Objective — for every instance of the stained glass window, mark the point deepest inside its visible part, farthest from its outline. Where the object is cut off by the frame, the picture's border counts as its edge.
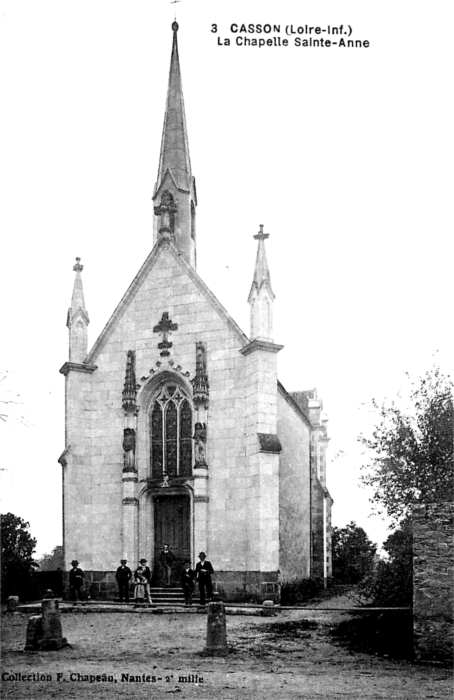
(171, 433)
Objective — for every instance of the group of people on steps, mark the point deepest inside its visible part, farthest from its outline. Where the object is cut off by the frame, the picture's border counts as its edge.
(141, 578)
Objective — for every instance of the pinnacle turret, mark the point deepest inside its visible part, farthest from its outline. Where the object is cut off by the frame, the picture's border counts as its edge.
(77, 319)
(261, 296)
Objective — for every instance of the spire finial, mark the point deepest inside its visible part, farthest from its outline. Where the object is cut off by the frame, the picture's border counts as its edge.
(130, 389)
(78, 267)
(260, 236)
(175, 25)
(261, 272)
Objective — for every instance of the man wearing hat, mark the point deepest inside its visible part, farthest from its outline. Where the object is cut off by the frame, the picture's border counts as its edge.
(146, 573)
(167, 558)
(123, 576)
(204, 570)
(187, 582)
(76, 582)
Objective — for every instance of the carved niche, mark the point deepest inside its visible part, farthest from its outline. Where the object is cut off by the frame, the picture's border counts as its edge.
(129, 450)
(166, 210)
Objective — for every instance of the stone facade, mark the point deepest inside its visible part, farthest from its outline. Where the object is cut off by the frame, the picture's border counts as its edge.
(433, 581)
(320, 500)
(177, 428)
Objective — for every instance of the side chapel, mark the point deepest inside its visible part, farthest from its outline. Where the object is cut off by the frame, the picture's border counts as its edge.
(177, 428)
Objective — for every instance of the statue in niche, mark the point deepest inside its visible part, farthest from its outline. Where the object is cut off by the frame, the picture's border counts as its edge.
(200, 437)
(129, 447)
(166, 210)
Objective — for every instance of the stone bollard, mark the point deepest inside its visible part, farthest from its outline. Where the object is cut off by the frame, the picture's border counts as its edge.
(52, 631)
(12, 603)
(216, 628)
(268, 608)
(44, 631)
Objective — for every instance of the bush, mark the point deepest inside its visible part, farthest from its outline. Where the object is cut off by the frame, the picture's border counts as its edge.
(379, 633)
(299, 592)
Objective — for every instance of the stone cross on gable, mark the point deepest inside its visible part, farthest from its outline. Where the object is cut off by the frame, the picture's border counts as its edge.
(165, 326)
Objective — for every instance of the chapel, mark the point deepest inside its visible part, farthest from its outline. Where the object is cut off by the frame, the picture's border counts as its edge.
(178, 430)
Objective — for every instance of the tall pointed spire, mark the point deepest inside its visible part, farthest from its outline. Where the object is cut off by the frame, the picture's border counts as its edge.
(77, 319)
(174, 194)
(175, 146)
(261, 296)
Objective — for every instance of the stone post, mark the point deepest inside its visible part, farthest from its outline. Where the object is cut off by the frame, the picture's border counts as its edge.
(216, 628)
(52, 631)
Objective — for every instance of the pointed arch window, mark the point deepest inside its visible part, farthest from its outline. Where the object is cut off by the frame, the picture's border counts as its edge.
(171, 433)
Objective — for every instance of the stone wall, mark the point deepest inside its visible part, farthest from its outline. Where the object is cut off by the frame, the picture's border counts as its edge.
(433, 581)
(246, 586)
(98, 585)
(294, 493)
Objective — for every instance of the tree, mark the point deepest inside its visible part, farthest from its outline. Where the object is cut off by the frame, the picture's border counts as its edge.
(411, 456)
(392, 582)
(353, 554)
(17, 547)
(52, 561)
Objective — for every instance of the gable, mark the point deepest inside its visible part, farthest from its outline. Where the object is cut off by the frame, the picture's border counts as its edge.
(296, 406)
(165, 281)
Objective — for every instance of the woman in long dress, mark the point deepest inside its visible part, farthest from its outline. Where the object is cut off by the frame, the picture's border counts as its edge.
(139, 585)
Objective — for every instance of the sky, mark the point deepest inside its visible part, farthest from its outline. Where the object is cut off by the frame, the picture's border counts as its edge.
(343, 154)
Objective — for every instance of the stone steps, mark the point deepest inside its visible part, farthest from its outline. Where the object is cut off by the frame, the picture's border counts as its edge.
(169, 596)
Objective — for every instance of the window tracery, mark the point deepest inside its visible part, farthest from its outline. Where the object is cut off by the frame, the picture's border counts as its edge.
(171, 433)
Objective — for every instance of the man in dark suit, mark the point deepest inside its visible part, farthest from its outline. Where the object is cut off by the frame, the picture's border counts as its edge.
(123, 576)
(76, 581)
(204, 570)
(187, 582)
(146, 573)
(167, 558)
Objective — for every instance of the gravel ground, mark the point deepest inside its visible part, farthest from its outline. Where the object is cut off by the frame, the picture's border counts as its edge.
(151, 656)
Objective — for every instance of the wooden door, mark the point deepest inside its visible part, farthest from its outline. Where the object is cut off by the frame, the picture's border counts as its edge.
(172, 527)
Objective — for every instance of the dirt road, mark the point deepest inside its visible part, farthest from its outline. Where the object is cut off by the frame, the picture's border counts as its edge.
(138, 655)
